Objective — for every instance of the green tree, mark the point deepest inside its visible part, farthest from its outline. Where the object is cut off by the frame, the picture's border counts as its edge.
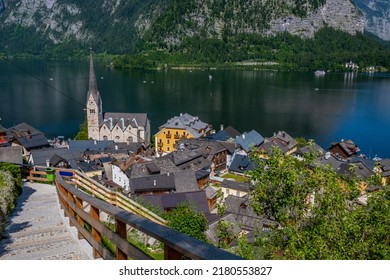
(16, 174)
(83, 132)
(186, 220)
(317, 213)
(7, 196)
(225, 233)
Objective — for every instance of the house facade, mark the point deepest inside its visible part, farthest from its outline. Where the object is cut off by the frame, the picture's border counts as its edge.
(119, 127)
(183, 126)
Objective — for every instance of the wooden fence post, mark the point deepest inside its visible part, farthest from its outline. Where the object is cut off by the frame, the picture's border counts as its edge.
(95, 213)
(79, 204)
(120, 228)
(171, 254)
(71, 211)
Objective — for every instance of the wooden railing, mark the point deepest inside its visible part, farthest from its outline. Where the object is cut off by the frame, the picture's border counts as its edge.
(89, 225)
(36, 175)
(97, 190)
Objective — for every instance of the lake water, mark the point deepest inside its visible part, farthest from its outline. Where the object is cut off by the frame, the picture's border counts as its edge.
(50, 95)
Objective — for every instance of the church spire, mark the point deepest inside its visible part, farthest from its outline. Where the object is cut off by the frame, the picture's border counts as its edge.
(92, 78)
(94, 104)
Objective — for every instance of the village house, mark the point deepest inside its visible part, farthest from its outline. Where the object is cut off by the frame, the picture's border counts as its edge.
(314, 148)
(230, 187)
(281, 140)
(194, 152)
(27, 137)
(344, 149)
(241, 164)
(328, 159)
(179, 182)
(119, 171)
(356, 170)
(119, 127)
(197, 200)
(249, 140)
(183, 126)
(240, 214)
(227, 134)
(63, 157)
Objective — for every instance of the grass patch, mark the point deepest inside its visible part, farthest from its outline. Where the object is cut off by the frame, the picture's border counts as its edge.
(237, 178)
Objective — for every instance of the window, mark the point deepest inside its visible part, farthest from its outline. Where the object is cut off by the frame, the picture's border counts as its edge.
(168, 142)
(130, 139)
(168, 149)
(105, 137)
(117, 137)
(92, 111)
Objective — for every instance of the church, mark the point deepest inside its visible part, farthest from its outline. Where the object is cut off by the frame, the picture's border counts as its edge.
(119, 127)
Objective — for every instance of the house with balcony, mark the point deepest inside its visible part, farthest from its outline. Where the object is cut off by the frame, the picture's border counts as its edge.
(182, 126)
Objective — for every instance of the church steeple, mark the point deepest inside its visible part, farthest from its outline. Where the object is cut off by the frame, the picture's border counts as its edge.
(93, 90)
(94, 103)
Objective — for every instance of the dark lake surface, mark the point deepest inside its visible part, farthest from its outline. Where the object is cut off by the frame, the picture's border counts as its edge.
(50, 95)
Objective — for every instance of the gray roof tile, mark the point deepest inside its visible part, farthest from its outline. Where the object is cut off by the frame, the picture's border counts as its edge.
(185, 121)
(11, 155)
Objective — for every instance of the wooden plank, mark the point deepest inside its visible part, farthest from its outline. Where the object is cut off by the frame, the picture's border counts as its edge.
(41, 179)
(38, 172)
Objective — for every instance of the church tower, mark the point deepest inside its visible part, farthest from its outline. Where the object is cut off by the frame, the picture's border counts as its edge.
(94, 104)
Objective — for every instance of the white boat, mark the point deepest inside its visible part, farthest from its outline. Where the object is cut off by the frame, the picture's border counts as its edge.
(319, 73)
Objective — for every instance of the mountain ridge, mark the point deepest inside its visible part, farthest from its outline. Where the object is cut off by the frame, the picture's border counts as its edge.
(121, 26)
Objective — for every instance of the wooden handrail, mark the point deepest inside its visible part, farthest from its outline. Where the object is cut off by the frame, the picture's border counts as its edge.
(176, 245)
(98, 190)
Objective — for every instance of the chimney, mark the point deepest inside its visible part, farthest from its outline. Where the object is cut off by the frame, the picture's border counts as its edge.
(327, 155)
(154, 182)
(221, 126)
(116, 147)
(110, 119)
(123, 123)
(95, 142)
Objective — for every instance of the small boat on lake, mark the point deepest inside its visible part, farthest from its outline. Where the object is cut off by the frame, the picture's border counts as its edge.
(319, 73)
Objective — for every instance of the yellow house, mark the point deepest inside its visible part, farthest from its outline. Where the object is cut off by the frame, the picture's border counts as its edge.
(177, 127)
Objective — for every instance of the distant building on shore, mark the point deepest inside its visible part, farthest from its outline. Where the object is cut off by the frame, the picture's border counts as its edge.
(119, 127)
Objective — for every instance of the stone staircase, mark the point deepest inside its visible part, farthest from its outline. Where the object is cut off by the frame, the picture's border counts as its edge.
(37, 229)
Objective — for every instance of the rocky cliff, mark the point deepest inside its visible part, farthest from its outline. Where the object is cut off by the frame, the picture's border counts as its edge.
(377, 16)
(118, 26)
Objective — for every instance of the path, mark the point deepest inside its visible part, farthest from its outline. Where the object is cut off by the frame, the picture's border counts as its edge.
(37, 229)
